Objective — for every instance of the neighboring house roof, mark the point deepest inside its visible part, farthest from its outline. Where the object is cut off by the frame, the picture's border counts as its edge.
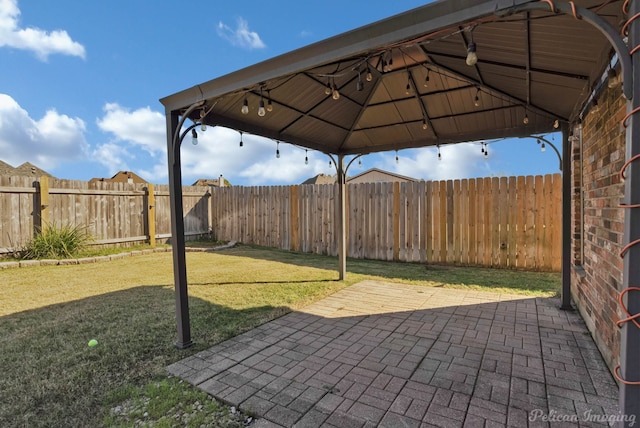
(215, 182)
(27, 169)
(5, 168)
(121, 177)
(375, 175)
(321, 179)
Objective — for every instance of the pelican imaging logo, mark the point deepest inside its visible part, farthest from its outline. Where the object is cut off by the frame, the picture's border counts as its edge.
(586, 416)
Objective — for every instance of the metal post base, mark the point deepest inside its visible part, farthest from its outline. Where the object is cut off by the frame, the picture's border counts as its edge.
(184, 345)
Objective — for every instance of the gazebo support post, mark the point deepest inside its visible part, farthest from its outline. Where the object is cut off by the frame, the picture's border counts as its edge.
(174, 141)
(342, 222)
(630, 333)
(566, 218)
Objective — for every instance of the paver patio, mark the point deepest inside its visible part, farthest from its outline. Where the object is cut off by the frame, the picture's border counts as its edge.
(396, 355)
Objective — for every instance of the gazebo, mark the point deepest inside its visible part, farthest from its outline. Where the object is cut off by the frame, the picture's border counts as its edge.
(448, 72)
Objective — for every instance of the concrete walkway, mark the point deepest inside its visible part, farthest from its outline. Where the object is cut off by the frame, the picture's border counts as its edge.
(395, 355)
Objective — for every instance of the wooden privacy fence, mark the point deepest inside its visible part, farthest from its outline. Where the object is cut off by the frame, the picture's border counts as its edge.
(115, 213)
(510, 222)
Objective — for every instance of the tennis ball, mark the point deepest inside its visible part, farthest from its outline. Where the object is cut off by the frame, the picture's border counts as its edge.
(93, 343)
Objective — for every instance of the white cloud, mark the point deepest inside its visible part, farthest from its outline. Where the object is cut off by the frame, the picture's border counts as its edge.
(464, 160)
(47, 142)
(143, 127)
(114, 157)
(41, 42)
(241, 36)
(218, 152)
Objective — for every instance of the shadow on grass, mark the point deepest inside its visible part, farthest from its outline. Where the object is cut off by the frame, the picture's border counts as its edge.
(51, 377)
(547, 283)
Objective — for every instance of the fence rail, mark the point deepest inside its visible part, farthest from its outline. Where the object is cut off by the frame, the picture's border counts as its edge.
(115, 213)
(509, 222)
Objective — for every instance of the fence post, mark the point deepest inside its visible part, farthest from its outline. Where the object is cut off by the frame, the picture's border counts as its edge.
(294, 223)
(151, 215)
(44, 203)
(396, 221)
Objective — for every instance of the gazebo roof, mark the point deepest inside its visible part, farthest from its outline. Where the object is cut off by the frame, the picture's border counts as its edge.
(535, 64)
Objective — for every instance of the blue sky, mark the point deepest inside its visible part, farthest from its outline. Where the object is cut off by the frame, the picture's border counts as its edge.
(80, 84)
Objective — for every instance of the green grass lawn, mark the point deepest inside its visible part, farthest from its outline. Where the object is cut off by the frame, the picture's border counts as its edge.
(50, 377)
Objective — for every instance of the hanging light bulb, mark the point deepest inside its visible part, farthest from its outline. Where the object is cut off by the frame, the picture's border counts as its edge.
(556, 124)
(486, 154)
(525, 120)
(327, 90)
(194, 137)
(482, 149)
(426, 79)
(359, 161)
(476, 100)
(472, 56)
(439, 154)
(269, 105)
(306, 158)
(612, 78)
(594, 106)
(543, 148)
(203, 126)
(424, 124)
(360, 84)
(407, 89)
(390, 63)
(261, 109)
(245, 105)
(335, 94)
(278, 150)
(397, 159)
(241, 143)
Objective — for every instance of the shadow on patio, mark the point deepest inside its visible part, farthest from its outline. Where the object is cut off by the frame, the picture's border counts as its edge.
(400, 355)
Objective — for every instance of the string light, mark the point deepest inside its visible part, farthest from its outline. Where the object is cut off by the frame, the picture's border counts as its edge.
(245, 105)
(241, 143)
(387, 66)
(594, 106)
(369, 75)
(525, 120)
(426, 79)
(278, 150)
(543, 148)
(335, 94)
(269, 105)
(261, 109)
(306, 158)
(472, 56)
(359, 162)
(203, 126)
(476, 100)
(360, 84)
(408, 88)
(327, 90)
(486, 153)
(482, 149)
(424, 124)
(439, 154)
(556, 124)
(612, 78)
(397, 159)
(194, 137)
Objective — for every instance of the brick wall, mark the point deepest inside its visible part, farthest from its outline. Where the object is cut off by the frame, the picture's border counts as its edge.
(598, 221)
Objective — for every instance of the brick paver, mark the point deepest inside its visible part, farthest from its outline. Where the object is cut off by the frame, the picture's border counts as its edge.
(386, 354)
